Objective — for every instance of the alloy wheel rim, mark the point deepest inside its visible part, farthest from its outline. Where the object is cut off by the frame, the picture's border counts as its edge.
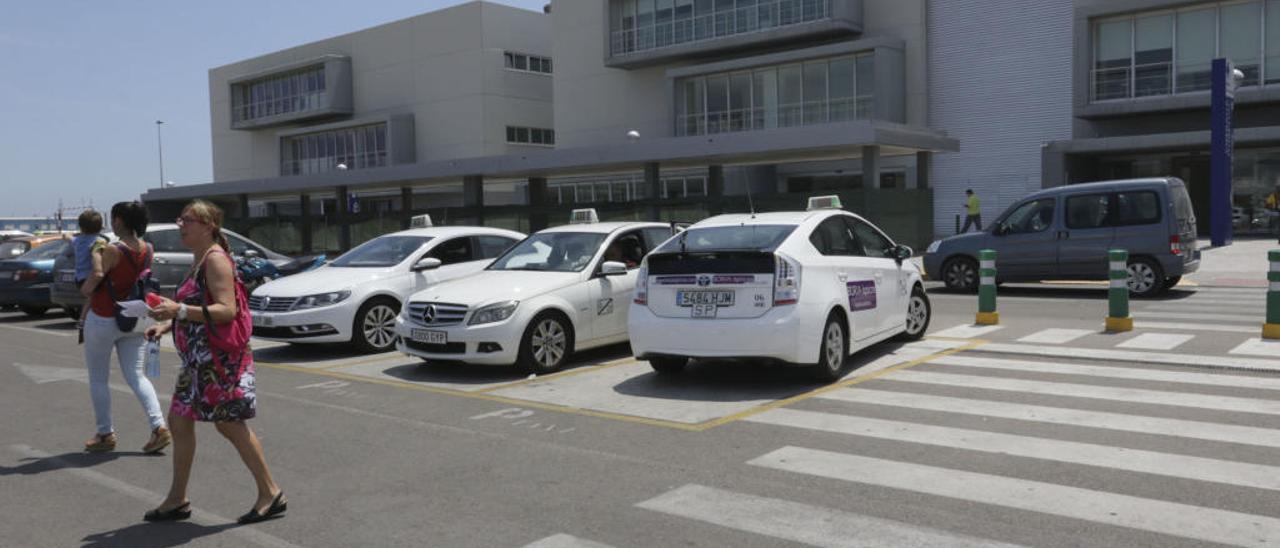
(917, 313)
(379, 326)
(548, 343)
(834, 347)
(1141, 277)
(961, 274)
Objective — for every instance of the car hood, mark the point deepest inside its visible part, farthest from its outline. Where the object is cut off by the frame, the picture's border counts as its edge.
(321, 280)
(14, 264)
(969, 241)
(497, 285)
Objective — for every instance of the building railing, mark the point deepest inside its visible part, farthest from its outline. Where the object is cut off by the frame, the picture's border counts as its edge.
(1162, 78)
(786, 115)
(279, 106)
(764, 15)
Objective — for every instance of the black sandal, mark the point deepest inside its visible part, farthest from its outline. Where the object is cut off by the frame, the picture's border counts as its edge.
(176, 513)
(278, 506)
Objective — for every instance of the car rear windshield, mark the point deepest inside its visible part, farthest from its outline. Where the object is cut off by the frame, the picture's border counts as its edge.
(44, 252)
(383, 251)
(1182, 203)
(729, 238)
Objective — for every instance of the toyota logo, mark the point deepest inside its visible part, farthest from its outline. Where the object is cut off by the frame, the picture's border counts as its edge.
(704, 281)
(429, 315)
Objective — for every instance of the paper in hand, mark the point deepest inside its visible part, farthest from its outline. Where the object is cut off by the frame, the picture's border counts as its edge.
(133, 309)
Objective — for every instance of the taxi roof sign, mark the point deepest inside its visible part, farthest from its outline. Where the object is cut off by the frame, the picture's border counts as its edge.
(825, 202)
(584, 216)
(420, 221)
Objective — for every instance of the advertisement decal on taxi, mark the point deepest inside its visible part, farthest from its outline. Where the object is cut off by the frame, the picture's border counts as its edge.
(862, 295)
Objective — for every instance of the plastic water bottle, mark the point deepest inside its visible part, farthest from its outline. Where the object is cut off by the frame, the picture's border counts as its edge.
(153, 359)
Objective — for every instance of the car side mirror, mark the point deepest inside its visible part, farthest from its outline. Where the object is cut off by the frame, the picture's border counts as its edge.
(902, 253)
(613, 268)
(1000, 229)
(427, 263)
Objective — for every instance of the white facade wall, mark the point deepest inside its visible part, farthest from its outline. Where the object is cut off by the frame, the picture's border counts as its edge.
(1000, 83)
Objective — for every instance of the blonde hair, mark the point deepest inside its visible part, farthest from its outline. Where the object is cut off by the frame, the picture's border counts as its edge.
(211, 214)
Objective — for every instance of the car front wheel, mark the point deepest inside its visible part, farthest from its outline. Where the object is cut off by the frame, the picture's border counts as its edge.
(374, 329)
(34, 310)
(668, 366)
(546, 344)
(919, 312)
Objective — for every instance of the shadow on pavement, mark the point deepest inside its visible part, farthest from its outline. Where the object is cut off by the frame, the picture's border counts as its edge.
(462, 373)
(1067, 293)
(308, 353)
(67, 460)
(149, 535)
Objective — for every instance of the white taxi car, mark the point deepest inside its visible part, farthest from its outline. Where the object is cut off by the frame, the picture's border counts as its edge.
(807, 287)
(357, 296)
(561, 290)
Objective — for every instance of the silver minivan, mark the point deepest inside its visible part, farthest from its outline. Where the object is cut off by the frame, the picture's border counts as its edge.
(1064, 233)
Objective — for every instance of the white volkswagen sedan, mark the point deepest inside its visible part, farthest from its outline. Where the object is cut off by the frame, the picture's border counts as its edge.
(807, 287)
(561, 290)
(356, 297)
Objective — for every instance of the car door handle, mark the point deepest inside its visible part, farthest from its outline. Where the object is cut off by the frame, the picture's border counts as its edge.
(879, 276)
(843, 277)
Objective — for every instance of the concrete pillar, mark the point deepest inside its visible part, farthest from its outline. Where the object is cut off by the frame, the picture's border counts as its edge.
(653, 188)
(539, 201)
(243, 202)
(340, 218)
(715, 190)
(473, 195)
(924, 164)
(406, 206)
(870, 166)
(305, 223)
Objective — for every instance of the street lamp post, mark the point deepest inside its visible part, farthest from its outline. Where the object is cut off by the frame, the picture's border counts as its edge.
(160, 150)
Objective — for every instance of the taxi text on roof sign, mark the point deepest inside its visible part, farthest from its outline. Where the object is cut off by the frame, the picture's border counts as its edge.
(824, 202)
(420, 221)
(583, 216)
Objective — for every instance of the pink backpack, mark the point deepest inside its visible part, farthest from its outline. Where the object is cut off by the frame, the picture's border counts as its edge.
(233, 337)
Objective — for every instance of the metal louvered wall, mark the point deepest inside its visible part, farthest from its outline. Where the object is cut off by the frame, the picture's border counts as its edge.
(1000, 82)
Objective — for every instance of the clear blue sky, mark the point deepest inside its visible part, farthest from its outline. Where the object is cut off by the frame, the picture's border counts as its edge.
(83, 82)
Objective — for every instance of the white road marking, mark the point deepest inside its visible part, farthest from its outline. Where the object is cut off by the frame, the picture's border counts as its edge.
(150, 499)
(1157, 516)
(1056, 336)
(43, 374)
(1256, 476)
(1229, 318)
(1196, 327)
(1156, 341)
(1140, 357)
(1126, 395)
(1258, 347)
(566, 541)
(1210, 431)
(1210, 308)
(1113, 372)
(797, 522)
(967, 331)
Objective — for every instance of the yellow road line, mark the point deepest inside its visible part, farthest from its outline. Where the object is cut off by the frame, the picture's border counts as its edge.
(560, 375)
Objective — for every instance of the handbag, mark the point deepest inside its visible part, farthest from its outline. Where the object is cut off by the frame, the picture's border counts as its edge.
(234, 339)
(142, 285)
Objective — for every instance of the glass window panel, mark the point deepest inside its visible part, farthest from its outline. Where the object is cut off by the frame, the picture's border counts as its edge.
(535, 136)
(866, 82)
(511, 134)
(694, 117)
(1153, 56)
(841, 89)
(1242, 38)
(551, 136)
(522, 135)
(1195, 47)
(1113, 44)
(1088, 211)
(764, 99)
(815, 92)
(1273, 41)
(695, 186)
(546, 66)
(522, 62)
(790, 101)
(717, 104)
(739, 101)
(380, 132)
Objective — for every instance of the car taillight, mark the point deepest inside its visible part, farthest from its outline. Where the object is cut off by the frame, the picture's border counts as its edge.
(1175, 244)
(642, 285)
(25, 275)
(786, 281)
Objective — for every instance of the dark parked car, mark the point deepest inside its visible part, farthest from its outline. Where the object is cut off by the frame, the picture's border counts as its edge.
(1064, 233)
(25, 280)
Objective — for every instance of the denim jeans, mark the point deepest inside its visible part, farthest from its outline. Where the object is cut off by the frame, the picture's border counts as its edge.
(101, 336)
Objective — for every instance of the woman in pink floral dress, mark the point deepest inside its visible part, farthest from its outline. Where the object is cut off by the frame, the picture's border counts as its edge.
(215, 385)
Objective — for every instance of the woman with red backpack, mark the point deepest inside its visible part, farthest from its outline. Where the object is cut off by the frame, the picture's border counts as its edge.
(211, 326)
(116, 270)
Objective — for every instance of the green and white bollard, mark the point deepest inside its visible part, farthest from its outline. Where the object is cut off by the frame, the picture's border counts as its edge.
(987, 314)
(1118, 318)
(1271, 330)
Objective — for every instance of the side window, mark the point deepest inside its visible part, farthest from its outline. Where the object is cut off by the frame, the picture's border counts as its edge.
(1089, 211)
(457, 250)
(239, 245)
(832, 237)
(165, 241)
(873, 243)
(1030, 217)
(1137, 208)
(492, 246)
(655, 237)
(627, 249)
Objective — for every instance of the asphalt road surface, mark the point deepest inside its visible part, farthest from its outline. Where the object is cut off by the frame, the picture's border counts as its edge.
(1042, 431)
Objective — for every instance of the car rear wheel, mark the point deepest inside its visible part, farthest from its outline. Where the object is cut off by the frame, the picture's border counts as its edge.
(668, 366)
(73, 312)
(1146, 278)
(34, 310)
(546, 344)
(919, 312)
(833, 351)
(961, 274)
(1171, 281)
(374, 329)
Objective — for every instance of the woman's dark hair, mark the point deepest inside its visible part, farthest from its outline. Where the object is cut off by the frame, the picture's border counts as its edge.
(133, 215)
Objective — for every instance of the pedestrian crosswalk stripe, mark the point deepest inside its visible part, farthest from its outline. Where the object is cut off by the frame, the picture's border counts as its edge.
(1230, 362)
(1056, 336)
(1197, 327)
(1209, 290)
(1257, 347)
(1126, 395)
(1229, 318)
(566, 541)
(1235, 309)
(967, 331)
(1258, 476)
(1156, 341)
(1157, 516)
(1112, 372)
(798, 522)
(1209, 431)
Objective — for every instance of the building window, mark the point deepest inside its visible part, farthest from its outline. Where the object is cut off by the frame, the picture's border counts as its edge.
(527, 63)
(358, 147)
(628, 189)
(814, 92)
(643, 25)
(530, 136)
(1171, 51)
(287, 93)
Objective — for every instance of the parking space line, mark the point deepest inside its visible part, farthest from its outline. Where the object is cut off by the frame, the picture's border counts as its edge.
(557, 375)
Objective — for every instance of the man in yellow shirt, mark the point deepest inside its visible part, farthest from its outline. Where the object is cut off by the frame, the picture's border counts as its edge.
(1273, 211)
(973, 212)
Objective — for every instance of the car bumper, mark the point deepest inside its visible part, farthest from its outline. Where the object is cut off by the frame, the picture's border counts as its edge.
(1174, 265)
(25, 295)
(783, 333)
(320, 325)
(462, 342)
(931, 265)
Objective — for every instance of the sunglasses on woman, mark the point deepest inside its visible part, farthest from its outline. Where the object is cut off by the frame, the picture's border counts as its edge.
(188, 220)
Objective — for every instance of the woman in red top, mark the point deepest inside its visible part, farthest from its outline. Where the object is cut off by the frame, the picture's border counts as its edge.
(120, 263)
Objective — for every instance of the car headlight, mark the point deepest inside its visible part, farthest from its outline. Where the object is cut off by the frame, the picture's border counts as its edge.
(933, 247)
(493, 313)
(323, 299)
